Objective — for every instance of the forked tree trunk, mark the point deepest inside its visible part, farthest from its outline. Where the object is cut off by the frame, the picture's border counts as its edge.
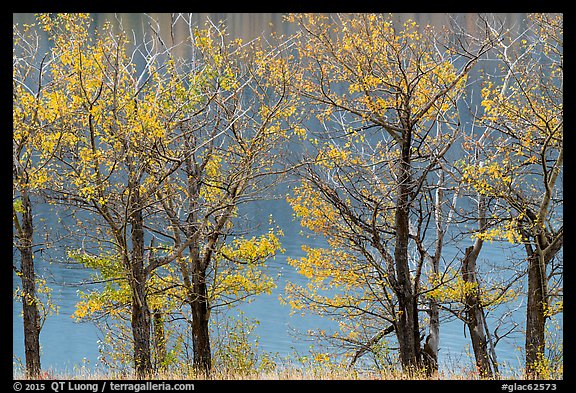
(31, 315)
(540, 251)
(194, 274)
(407, 327)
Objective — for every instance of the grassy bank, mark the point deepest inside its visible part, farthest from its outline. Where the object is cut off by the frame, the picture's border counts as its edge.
(280, 373)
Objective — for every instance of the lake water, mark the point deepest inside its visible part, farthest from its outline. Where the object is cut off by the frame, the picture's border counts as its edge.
(66, 344)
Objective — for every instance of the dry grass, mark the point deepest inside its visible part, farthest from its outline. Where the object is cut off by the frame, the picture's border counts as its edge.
(284, 373)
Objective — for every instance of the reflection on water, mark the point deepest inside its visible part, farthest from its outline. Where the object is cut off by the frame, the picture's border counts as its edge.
(66, 344)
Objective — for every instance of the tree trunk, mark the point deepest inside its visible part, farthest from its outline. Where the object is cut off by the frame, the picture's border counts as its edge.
(159, 340)
(200, 319)
(141, 335)
(407, 328)
(430, 353)
(474, 315)
(197, 289)
(30, 312)
(140, 312)
(535, 315)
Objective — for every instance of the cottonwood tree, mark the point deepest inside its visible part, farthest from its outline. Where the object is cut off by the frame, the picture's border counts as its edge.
(167, 155)
(34, 115)
(382, 93)
(226, 157)
(108, 119)
(25, 127)
(522, 170)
